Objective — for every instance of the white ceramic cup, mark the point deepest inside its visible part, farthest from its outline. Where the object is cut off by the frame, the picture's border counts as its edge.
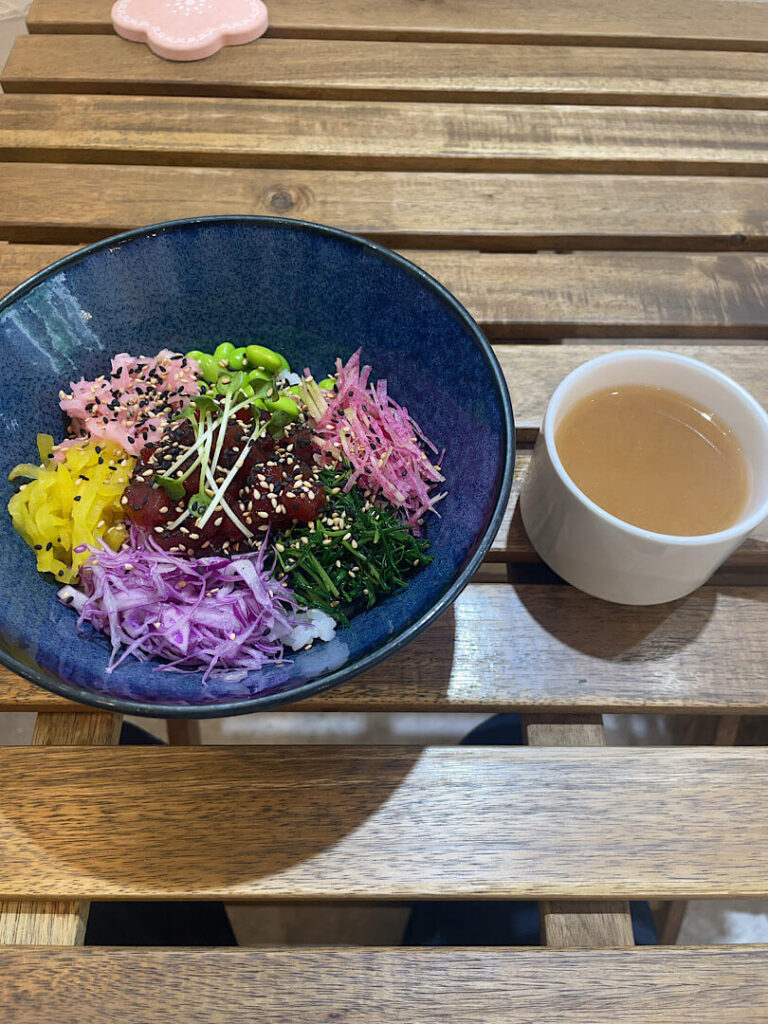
(603, 555)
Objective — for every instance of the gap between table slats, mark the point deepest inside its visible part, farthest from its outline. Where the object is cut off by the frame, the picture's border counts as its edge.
(382, 136)
(387, 71)
(689, 23)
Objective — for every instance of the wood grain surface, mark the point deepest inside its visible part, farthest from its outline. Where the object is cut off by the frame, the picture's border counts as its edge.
(73, 730)
(446, 72)
(720, 985)
(707, 24)
(43, 922)
(383, 823)
(382, 136)
(533, 372)
(538, 647)
(591, 294)
(586, 924)
(56, 922)
(564, 731)
(588, 294)
(66, 202)
(183, 732)
(582, 924)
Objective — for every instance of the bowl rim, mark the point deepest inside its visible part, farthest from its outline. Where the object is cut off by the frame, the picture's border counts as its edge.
(248, 705)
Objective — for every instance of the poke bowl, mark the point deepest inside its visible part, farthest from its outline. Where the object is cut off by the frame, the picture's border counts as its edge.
(243, 459)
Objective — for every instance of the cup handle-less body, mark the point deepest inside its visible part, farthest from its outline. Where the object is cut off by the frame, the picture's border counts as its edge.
(599, 553)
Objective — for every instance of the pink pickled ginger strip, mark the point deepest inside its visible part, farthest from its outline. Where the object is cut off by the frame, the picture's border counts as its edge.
(381, 442)
(133, 405)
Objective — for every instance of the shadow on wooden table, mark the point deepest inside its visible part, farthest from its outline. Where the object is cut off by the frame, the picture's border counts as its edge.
(599, 629)
(615, 632)
(147, 821)
(202, 821)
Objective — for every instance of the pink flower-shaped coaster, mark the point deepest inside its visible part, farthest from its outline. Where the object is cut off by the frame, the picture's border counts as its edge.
(189, 29)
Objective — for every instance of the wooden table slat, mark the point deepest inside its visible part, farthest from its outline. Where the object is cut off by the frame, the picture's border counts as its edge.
(587, 294)
(56, 922)
(383, 823)
(707, 24)
(543, 647)
(63, 202)
(590, 294)
(720, 985)
(446, 72)
(382, 136)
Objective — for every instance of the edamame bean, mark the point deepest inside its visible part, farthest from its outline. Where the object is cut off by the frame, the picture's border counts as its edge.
(257, 375)
(197, 356)
(224, 353)
(283, 404)
(238, 360)
(209, 368)
(327, 384)
(265, 359)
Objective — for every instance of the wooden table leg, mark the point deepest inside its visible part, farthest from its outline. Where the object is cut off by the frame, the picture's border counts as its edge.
(56, 922)
(727, 730)
(183, 732)
(593, 924)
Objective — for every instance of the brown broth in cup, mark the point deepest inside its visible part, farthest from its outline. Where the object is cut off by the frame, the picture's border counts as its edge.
(655, 459)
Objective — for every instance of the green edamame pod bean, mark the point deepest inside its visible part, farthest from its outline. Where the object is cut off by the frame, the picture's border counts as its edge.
(283, 404)
(256, 375)
(209, 367)
(262, 358)
(224, 353)
(286, 365)
(247, 390)
(327, 384)
(238, 359)
(194, 354)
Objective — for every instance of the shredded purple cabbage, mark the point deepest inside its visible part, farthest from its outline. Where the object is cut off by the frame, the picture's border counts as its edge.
(226, 616)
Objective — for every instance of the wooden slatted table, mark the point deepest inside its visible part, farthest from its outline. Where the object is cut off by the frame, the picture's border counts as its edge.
(580, 173)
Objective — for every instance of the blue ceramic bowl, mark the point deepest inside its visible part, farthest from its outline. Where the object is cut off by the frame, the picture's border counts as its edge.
(312, 292)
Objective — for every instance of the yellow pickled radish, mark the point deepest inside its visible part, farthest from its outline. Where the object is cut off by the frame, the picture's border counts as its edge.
(72, 502)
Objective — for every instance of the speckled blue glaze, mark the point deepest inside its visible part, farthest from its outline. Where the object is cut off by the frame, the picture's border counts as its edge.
(312, 292)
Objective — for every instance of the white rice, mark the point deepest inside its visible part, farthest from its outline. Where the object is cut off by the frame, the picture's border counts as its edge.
(312, 624)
